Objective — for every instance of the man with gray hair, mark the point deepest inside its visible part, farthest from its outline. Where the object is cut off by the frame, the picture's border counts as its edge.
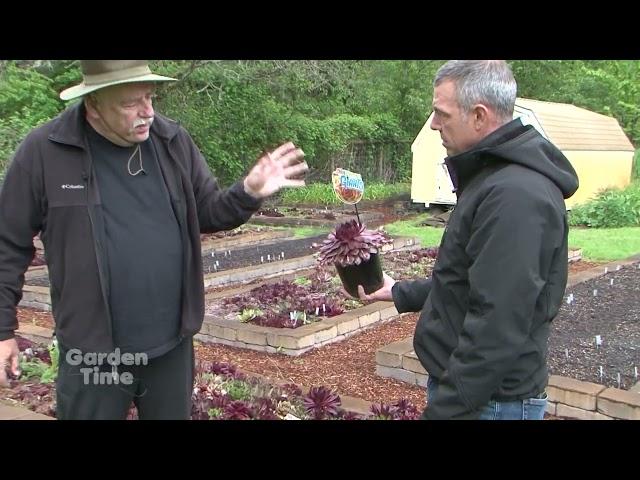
(501, 269)
(120, 195)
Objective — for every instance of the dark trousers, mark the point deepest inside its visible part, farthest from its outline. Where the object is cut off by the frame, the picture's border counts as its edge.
(160, 390)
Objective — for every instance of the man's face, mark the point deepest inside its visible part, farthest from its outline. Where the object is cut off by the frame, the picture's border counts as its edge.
(456, 129)
(124, 113)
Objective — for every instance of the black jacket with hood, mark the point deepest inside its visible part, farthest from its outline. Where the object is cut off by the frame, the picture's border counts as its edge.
(50, 188)
(500, 274)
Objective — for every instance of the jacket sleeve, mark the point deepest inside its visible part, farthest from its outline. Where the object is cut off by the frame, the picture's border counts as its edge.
(218, 209)
(410, 295)
(510, 230)
(20, 220)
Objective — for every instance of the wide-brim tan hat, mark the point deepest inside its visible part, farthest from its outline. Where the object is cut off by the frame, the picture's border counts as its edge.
(99, 74)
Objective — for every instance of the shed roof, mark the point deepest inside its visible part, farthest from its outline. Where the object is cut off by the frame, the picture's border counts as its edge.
(573, 128)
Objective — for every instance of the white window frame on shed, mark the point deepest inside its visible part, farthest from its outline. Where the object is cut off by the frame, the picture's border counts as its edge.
(527, 117)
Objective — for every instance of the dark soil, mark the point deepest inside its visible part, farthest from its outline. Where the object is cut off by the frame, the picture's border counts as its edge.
(614, 314)
(266, 252)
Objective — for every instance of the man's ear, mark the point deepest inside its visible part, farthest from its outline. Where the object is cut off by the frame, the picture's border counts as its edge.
(91, 103)
(481, 117)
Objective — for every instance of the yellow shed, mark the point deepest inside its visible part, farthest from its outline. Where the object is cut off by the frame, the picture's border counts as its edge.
(595, 144)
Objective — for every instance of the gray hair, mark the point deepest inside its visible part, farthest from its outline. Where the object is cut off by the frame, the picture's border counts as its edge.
(489, 82)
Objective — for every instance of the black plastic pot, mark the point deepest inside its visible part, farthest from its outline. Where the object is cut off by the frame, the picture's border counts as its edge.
(368, 274)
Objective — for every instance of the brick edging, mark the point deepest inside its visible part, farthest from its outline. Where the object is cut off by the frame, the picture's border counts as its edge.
(568, 397)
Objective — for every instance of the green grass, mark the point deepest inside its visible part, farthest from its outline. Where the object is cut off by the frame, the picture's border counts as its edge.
(602, 244)
(323, 194)
(606, 243)
(429, 236)
(304, 232)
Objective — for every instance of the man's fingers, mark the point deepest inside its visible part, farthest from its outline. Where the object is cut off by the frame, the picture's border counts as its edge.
(282, 149)
(292, 183)
(292, 157)
(362, 295)
(297, 170)
(3, 376)
(15, 365)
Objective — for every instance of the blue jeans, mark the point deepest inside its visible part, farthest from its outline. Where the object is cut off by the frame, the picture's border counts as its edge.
(527, 409)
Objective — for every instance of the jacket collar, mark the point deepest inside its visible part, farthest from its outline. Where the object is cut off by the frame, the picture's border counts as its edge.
(466, 165)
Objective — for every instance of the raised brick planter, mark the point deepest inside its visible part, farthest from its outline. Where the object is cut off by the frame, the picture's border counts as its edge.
(39, 297)
(298, 340)
(575, 254)
(568, 398)
(10, 412)
(365, 217)
(36, 297)
(244, 240)
(284, 267)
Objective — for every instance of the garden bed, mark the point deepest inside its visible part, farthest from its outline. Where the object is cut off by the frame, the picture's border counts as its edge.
(578, 388)
(245, 235)
(318, 217)
(614, 315)
(221, 392)
(292, 317)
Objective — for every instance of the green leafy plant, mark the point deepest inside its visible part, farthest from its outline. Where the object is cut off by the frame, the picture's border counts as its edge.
(40, 370)
(611, 208)
(249, 314)
(302, 281)
(238, 390)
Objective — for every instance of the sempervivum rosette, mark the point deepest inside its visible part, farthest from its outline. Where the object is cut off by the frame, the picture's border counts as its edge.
(351, 244)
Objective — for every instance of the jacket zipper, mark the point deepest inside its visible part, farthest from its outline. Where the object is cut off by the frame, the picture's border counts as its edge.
(87, 178)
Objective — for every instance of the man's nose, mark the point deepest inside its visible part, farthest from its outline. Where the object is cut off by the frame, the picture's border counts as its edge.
(147, 111)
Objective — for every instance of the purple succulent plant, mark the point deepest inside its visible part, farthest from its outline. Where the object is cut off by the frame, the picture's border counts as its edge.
(405, 410)
(351, 243)
(381, 411)
(321, 403)
(238, 410)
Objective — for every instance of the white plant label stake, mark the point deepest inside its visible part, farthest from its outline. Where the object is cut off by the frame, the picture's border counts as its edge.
(566, 352)
(618, 380)
(595, 292)
(618, 267)
(611, 282)
(598, 341)
(601, 373)
(605, 270)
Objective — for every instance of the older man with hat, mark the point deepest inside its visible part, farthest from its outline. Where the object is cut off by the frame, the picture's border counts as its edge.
(119, 195)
